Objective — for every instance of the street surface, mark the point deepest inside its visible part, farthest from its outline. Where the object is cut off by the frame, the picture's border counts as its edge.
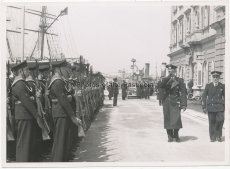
(134, 132)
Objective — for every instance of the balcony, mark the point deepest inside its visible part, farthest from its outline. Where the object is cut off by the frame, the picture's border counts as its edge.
(195, 37)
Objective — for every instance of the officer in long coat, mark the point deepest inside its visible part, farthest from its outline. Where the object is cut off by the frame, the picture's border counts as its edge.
(139, 89)
(147, 90)
(115, 92)
(161, 91)
(214, 102)
(143, 91)
(110, 89)
(124, 88)
(174, 100)
(26, 114)
(63, 114)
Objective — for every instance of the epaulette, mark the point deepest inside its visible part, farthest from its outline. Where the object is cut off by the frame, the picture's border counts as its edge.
(53, 79)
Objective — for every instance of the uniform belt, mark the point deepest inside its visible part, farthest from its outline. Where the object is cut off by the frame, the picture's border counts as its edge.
(68, 96)
(19, 102)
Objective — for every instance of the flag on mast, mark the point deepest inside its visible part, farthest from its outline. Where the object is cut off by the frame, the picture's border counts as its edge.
(64, 12)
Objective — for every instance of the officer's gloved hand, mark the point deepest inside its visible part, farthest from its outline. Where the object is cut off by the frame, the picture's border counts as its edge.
(205, 111)
(183, 108)
(47, 92)
(76, 121)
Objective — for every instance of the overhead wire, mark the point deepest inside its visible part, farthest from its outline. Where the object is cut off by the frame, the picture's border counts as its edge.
(66, 39)
(72, 36)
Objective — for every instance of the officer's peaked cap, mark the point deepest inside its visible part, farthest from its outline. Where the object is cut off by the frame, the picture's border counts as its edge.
(60, 63)
(216, 73)
(19, 66)
(170, 66)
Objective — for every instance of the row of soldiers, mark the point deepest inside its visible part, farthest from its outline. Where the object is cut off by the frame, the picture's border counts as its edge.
(143, 89)
(50, 105)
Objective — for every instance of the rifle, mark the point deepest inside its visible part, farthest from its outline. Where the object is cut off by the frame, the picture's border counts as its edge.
(11, 126)
(81, 109)
(41, 113)
(47, 102)
(86, 103)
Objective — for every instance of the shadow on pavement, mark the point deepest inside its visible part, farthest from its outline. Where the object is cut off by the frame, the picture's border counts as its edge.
(223, 139)
(93, 148)
(187, 138)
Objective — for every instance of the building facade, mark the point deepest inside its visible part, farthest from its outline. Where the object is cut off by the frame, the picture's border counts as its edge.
(198, 43)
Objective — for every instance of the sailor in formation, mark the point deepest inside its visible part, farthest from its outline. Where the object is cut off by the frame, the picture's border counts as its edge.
(51, 102)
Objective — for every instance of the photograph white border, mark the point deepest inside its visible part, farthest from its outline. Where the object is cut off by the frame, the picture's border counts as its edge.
(110, 164)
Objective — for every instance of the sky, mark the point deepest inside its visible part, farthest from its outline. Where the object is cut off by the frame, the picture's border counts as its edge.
(107, 34)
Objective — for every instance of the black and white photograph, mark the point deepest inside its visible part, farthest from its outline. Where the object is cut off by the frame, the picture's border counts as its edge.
(122, 83)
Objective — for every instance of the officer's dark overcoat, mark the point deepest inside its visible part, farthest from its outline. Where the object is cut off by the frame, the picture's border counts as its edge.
(110, 89)
(139, 89)
(174, 97)
(161, 91)
(124, 87)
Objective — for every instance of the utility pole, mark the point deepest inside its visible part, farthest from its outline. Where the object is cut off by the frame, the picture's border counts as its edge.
(156, 71)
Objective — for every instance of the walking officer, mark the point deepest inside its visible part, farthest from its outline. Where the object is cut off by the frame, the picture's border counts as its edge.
(26, 114)
(161, 91)
(110, 89)
(62, 112)
(115, 92)
(124, 88)
(174, 100)
(214, 103)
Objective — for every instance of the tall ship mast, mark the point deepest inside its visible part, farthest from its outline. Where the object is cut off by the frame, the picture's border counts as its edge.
(45, 35)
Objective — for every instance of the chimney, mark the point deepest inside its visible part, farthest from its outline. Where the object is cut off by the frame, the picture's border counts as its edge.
(147, 70)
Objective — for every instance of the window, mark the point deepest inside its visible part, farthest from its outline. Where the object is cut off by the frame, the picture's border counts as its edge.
(174, 33)
(181, 30)
(188, 23)
(196, 19)
(178, 35)
(199, 74)
(175, 9)
(204, 16)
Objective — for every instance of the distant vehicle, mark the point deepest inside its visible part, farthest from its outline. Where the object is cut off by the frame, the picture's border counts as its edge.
(132, 92)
